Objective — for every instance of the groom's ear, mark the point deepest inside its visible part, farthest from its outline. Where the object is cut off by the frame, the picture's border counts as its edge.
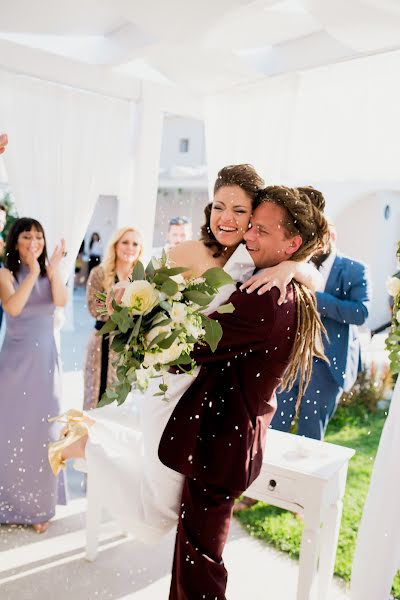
(294, 244)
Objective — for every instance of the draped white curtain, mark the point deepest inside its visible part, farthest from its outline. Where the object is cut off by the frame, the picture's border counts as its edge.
(337, 123)
(252, 125)
(66, 147)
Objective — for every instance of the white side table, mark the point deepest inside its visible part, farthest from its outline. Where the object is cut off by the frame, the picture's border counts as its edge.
(308, 477)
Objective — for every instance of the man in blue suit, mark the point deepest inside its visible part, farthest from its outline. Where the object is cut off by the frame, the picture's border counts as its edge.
(343, 306)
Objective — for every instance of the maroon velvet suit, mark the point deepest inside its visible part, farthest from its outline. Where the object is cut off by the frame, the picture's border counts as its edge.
(216, 434)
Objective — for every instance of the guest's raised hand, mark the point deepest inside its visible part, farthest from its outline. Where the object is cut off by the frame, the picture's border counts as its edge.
(32, 262)
(55, 259)
(3, 142)
(279, 276)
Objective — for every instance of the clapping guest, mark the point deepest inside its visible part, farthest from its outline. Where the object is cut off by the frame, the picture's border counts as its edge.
(30, 289)
(123, 252)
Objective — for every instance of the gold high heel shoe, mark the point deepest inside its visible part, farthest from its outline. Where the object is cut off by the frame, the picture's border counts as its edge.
(75, 429)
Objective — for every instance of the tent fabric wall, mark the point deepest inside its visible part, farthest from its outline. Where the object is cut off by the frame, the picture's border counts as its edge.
(66, 147)
(335, 123)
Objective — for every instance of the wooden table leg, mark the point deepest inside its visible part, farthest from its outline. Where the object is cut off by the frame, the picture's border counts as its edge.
(309, 552)
(329, 540)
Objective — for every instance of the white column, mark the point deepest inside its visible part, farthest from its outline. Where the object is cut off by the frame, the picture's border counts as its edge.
(139, 209)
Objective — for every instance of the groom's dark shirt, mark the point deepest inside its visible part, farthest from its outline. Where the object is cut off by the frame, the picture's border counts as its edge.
(217, 430)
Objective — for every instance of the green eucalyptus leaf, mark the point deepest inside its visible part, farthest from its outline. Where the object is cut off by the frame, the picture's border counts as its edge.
(118, 344)
(121, 373)
(183, 359)
(169, 287)
(123, 320)
(213, 333)
(217, 277)
(107, 327)
(225, 308)
(123, 390)
(136, 328)
(167, 343)
(138, 272)
(200, 298)
(166, 305)
(159, 338)
(170, 271)
(150, 270)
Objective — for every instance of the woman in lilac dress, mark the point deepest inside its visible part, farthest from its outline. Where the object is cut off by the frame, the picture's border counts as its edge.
(30, 290)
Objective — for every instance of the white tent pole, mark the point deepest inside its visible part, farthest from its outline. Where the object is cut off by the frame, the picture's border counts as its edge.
(139, 206)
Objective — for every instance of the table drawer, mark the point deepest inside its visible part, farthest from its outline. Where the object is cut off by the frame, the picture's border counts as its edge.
(271, 484)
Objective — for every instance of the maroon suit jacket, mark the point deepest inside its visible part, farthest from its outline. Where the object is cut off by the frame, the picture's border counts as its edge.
(217, 430)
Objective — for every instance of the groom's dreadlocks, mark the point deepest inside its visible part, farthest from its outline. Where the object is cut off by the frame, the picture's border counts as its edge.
(304, 217)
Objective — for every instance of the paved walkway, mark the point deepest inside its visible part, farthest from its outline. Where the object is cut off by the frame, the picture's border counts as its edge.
(52, 566)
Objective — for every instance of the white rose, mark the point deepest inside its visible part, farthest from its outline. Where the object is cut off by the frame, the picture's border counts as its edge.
(178, 312)
(393, 286)
(140, 297)
(164, 356)
(153, 333)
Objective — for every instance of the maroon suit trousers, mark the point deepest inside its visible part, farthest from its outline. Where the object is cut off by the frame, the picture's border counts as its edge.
(198, 571)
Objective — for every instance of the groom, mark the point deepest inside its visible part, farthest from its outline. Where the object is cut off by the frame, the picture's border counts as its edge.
(216, 434)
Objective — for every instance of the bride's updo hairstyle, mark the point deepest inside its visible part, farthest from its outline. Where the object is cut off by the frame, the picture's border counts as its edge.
(247, 178)
(303, 208)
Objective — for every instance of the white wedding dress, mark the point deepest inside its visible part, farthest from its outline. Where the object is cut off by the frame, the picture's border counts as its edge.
(377, 555)
(138, 491)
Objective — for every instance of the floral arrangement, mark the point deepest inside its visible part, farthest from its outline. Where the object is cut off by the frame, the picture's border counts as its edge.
(393, 339)
(156, 318)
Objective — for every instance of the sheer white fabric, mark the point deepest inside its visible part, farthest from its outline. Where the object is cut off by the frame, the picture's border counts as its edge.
(122, 460)
(377, 555)
(66, 147)
(334, 123)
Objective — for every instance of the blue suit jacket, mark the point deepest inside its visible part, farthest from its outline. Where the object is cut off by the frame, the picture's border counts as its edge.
(343, 306)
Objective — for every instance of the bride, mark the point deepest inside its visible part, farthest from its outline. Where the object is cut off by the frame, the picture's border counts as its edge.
(118, 446)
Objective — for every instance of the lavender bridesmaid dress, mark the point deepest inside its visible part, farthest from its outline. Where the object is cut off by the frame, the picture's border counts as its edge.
(29, 393)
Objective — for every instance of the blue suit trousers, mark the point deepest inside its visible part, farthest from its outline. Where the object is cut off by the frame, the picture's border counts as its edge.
(318, 404)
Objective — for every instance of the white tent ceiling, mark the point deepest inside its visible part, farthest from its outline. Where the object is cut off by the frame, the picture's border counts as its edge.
(306, 90)
(206, 47)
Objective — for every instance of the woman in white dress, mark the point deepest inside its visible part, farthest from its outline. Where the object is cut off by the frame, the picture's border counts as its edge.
(121, 449)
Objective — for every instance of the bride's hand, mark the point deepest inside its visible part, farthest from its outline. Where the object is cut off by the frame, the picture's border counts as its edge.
(279, 276)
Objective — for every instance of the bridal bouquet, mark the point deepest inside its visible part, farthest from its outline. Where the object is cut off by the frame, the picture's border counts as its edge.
(393, 340)
(156, 318)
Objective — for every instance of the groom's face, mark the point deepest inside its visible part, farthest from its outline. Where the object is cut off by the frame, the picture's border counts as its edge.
(267, 239)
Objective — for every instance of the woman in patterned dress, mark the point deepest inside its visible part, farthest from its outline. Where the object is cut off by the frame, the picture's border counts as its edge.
(123, 252)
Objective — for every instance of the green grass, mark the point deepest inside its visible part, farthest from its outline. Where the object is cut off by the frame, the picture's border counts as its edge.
(351, 427)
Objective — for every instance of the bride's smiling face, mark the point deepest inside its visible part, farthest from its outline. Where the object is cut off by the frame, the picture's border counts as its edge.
(230, 215)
